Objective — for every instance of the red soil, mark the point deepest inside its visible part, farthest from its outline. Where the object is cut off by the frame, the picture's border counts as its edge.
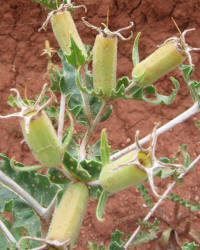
(21, 64)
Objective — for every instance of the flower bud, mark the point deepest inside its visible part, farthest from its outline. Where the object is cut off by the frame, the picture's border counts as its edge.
(63, 27)
(42, 140)
(117, 176)
(68, 216)
(105, 64)
(159, 63)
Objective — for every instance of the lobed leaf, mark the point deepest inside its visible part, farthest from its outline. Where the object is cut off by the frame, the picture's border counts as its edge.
(76, 58)
(34, 183)
(84, 170)
(139, 93)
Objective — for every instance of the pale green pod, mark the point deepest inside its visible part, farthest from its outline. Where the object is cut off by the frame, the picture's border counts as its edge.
(159, 63)
(105, 64)
(68, 216)
(43, 141)
(63, 28)
(115, 177)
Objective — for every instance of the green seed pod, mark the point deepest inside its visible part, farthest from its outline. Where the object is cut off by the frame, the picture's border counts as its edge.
(105, 64)
(63, 27)
(159, 63)
(114, 177)
(68, 216)
(42, 140)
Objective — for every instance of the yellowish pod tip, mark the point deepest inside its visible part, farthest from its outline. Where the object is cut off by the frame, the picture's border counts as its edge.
(68, 216)
(117, 175)
(105, 64)
(63, 27)
(42, 140)
(159, 63)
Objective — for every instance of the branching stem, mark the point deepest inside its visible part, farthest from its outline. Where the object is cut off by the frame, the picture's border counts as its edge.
(90, 130)
(182, 117)
(151, 212)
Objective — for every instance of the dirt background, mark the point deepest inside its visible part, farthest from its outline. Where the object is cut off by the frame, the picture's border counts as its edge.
(21, 64)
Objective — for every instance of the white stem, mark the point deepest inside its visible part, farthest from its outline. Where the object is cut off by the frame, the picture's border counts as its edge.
(50, 209)
(151, 212)
(61, 118)
(15, 188)
(8, 234)
(94, 183)
(182, 117)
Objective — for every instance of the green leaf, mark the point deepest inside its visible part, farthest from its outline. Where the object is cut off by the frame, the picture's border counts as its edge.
(162, 99)
(56, 176)
(8, 206)
(116, 241)
(115, 246)
(123, 81)
(68, 137)
(52, 112)
(95, 151)
(93, 167)
(12, 101)
(24, 222)
(95, 191)
(116, 236)
(20, 167)
(35, 184)
(70, 89)
(73, 166)
(76, 58)
(49, 4)
(189, 204)
(143, 237)
(189, 246)
(139, 93)
(84, 170)
(148, 226)
(194, 86)
(55, 78)
(135, 53)
(185, 155)
(85, 89)
(144, 193)
(23, 216)
(107, 114)
(95, 246)
(186, 71)
(73, 149)
(101, 205)
(105, 148)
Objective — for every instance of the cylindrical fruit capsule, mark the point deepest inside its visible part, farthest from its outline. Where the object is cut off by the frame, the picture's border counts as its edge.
(42, 140)
(68, 216)
(63, 28)
(159, 63)
(115, 177)
(105, 64)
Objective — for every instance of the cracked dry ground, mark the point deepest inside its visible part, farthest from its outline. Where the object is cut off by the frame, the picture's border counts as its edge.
(21, 64)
